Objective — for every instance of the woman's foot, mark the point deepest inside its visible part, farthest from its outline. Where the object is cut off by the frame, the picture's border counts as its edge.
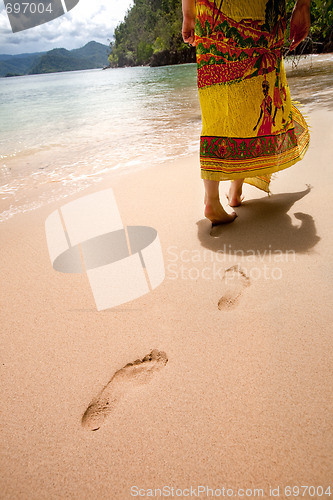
(234, 196)
(234, 200)
(216, 213)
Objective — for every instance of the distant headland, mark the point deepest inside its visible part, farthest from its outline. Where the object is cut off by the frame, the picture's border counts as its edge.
(92, 55)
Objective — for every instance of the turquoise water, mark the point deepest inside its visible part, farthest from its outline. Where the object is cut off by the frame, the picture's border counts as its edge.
(70, 129)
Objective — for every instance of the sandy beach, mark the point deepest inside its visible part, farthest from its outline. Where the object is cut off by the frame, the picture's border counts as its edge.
(244, 317)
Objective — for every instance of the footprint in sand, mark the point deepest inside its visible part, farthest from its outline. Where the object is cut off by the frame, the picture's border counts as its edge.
(235, 280)
(133, 374)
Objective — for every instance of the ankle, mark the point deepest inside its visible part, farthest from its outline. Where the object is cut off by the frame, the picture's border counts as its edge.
(237, 186)
(235, 191)
(210, 200)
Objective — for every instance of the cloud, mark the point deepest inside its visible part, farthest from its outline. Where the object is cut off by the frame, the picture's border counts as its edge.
(89, 20)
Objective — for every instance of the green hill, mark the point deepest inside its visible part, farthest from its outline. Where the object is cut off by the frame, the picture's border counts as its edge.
(19, 64)
(92, 55)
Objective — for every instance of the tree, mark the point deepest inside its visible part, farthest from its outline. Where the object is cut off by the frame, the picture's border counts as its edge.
(150, 32)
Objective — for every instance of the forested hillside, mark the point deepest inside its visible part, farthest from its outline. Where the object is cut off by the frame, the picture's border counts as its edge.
(151, 33)
(92, 55)
(19, 64)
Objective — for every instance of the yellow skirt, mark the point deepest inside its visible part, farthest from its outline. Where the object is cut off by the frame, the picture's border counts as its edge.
(250, 128)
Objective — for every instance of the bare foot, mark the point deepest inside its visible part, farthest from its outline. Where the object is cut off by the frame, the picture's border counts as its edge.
(216, 213)
(234, 200)
(234, 196)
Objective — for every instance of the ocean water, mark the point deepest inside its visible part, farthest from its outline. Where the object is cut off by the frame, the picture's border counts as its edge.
(67, 130)
(70, 129)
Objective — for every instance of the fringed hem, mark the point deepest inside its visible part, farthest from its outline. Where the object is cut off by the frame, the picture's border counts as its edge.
(259, 183)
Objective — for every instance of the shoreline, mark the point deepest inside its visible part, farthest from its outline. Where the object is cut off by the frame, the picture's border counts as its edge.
(299, 57)
(75, 167)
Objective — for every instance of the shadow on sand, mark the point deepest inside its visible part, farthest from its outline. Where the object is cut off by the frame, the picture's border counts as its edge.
(263, 226)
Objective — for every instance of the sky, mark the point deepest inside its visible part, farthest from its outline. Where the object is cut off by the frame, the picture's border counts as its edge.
(89, 20)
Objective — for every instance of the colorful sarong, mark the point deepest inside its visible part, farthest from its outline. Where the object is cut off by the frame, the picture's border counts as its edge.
(250, 128)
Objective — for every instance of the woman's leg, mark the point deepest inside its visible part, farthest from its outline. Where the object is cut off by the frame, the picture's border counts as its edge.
(235, 193)
(213, 208)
